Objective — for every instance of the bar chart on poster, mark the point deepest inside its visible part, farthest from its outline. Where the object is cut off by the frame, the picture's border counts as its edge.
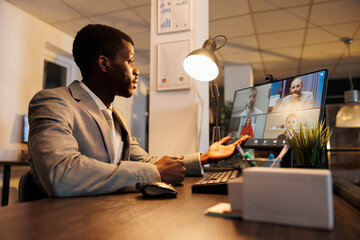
(173, 16)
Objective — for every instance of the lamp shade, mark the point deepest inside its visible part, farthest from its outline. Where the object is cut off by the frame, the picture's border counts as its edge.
(349, 115)
(202, 64)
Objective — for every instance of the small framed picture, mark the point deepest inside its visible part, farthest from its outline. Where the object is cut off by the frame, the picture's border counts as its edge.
(173, 16)
(171, 74)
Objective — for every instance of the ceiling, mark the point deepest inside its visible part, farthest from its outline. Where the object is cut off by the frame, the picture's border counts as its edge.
(278, 37)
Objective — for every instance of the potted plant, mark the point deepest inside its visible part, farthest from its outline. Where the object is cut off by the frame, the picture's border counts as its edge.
(308, 144)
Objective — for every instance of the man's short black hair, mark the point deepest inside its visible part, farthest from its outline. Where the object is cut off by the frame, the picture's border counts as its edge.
(94, 40)
(253, 89)
(295, 79)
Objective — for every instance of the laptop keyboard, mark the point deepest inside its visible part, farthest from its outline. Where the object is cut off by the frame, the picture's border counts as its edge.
(215, 183)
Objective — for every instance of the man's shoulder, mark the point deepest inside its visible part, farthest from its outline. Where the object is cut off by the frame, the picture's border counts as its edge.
(307, 94)
(257, 111)
(243, 113)
(46, 93)
(59, 92)
(286, 98)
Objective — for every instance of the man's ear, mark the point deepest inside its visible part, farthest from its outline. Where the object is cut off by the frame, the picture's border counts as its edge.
(103, 63)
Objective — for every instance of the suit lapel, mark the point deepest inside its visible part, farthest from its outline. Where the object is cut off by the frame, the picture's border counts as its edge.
(126, 136)
(91, 107)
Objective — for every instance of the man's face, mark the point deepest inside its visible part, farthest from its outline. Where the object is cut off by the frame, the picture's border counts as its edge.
(123, 73)
(290, 122)
(296, 86)
(251, 99)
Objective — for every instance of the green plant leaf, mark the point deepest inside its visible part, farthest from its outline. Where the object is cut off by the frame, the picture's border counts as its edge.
(309, 142)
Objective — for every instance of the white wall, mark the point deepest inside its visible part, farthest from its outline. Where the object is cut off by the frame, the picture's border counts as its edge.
(179, 120)
(22, 47)
(237, 77)
(23, 43)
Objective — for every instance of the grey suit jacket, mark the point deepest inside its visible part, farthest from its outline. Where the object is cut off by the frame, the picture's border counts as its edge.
(70, 146)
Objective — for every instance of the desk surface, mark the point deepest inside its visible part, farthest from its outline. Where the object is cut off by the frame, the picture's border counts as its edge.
(130, 216)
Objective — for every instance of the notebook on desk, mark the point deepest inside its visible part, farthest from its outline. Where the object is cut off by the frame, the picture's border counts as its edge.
(270, 110)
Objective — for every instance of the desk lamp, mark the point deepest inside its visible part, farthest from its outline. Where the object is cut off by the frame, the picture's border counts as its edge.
(349, 114)
(203, 65)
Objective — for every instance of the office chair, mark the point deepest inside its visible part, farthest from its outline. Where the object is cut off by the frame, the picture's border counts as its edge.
(28, 189)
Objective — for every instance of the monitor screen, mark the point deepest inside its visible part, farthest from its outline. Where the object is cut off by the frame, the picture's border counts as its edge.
(25, 136)
(267, 111)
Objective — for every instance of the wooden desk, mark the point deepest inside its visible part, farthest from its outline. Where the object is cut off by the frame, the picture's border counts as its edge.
(130, 216)
(6, 177)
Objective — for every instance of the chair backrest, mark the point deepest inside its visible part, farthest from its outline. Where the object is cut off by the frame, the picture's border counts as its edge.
(28, 189)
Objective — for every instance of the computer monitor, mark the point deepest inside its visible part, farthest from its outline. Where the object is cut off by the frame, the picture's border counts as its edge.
(273, 108)
(25, 133)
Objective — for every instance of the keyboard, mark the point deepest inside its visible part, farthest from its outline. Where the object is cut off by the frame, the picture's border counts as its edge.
(215, 183)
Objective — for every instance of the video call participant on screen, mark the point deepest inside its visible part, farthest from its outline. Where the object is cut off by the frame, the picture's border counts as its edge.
(297, 99)
(250, 108)
(76, 148)
(247, 129)
(290, 122)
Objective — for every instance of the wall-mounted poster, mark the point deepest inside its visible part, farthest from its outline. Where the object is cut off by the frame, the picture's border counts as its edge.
(173, 16)
(171, 74)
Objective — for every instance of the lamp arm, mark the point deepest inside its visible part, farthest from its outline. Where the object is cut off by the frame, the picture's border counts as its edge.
(215, 94)
(223, 43)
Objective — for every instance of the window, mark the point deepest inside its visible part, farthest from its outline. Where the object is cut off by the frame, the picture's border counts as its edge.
(54, 75)
(59, 68)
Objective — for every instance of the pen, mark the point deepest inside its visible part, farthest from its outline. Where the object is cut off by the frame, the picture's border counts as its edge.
(246, 155)
(283, 151)
(240, 150)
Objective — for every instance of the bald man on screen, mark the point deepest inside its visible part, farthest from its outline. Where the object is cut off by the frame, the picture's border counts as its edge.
(297, 99)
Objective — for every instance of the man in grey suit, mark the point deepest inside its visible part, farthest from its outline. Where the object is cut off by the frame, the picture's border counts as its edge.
(81, 145)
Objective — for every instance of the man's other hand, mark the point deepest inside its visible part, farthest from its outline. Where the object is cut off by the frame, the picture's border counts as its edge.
(218, 151)
(171, 169)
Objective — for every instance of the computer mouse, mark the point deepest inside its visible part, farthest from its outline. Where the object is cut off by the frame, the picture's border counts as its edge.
(158, 190)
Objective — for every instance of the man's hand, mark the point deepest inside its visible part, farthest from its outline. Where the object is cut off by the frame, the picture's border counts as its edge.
(218, 151)
(171, 169)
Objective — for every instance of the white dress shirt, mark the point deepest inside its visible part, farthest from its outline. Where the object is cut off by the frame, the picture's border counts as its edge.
(115, 133)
